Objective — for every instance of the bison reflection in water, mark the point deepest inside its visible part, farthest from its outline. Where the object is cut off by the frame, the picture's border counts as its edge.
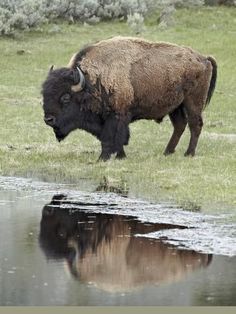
(102, 249)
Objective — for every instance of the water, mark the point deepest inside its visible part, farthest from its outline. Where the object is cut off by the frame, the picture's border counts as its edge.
(60, 246)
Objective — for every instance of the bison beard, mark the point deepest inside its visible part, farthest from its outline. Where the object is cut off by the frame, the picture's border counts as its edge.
(115, 82)
(58, 134)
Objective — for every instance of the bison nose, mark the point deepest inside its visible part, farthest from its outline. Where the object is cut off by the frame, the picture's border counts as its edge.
(50, 120)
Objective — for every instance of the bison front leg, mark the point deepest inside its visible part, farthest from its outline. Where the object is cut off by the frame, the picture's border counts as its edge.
(114, 135)
(122, 138)
(121, 154)
(107, 137)
(107, 149)
(179, 122)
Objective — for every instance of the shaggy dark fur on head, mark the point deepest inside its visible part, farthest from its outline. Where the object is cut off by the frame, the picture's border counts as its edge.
(71, 110)
(58, 225)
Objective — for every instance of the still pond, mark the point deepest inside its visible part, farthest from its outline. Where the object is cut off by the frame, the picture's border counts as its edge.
(61, 246)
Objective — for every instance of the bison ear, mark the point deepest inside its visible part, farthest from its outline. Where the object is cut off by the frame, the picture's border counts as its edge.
(58, 199)
(79, 80)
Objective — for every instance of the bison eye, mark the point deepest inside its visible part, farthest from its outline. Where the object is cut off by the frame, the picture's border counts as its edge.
(65, 99)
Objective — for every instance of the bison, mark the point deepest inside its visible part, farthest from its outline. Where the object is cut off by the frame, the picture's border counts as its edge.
(109, 84)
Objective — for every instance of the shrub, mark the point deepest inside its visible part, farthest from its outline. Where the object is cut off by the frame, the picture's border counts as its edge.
(136, 22)
(67, 9)
(24, 14)
(104, 9)
(221, 2)
(20, 14)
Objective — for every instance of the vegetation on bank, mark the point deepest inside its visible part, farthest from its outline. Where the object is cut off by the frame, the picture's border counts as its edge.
(28, 147)
(19, 15)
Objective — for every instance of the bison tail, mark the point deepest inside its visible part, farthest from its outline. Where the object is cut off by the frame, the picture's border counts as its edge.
(213, 79)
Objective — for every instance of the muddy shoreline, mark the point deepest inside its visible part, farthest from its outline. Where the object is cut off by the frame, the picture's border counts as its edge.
(206, 233)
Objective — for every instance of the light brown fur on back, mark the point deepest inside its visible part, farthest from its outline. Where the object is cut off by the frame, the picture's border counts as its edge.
(133, 68)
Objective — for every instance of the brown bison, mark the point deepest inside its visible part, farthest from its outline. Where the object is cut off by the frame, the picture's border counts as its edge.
(102, 248)
(114, 82)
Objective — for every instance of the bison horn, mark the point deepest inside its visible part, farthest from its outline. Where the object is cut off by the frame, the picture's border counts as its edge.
(79, 80)
(51, 69)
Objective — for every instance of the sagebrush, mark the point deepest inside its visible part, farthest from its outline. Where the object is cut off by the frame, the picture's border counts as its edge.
(25, 14)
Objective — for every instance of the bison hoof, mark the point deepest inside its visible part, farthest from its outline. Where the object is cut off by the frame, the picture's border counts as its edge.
(120, 155)
(168, 152)
(104, 157)
(189, 154)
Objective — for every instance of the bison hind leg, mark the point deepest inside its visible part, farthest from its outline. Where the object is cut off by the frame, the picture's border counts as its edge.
(179, 121)
(195, 123)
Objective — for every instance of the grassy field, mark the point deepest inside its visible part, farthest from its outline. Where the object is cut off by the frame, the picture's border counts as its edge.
(28, 147)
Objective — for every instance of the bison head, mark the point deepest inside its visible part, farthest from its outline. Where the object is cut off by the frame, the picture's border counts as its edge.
(61, 101)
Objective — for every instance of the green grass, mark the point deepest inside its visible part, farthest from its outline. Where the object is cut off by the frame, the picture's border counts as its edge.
(28, 147)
